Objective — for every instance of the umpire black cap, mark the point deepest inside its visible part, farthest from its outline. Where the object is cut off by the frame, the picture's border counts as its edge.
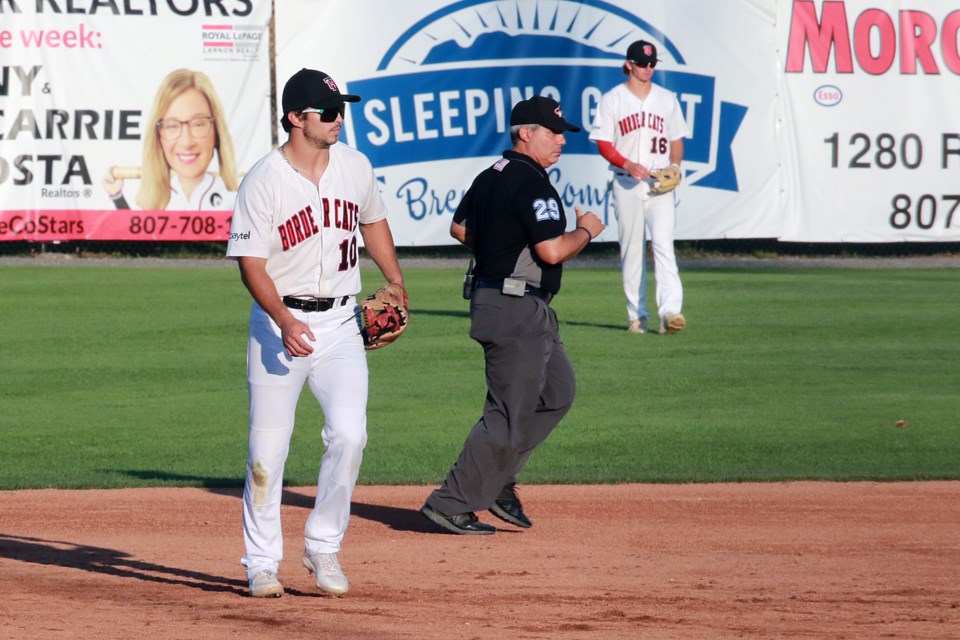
(543, 111)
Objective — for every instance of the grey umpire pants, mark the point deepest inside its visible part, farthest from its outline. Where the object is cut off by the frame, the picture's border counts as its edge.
(530, 387)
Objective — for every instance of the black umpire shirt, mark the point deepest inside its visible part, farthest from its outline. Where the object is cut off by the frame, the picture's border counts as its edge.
(510, 207)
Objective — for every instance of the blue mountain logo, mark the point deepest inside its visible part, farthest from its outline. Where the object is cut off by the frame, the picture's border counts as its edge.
(444, 89)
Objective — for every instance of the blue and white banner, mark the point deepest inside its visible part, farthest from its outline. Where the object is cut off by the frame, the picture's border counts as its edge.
(438, 81)
(811, 120)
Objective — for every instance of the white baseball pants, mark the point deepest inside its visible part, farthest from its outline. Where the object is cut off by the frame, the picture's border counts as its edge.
(639, 213)
(336, 373)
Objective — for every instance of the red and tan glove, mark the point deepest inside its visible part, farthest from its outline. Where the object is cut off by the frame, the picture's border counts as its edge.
(383, 316)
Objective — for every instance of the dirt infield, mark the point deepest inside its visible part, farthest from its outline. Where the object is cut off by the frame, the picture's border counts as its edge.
(783, 560)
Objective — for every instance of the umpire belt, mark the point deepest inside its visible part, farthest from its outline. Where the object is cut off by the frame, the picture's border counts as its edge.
(314, 304)
(529, 290)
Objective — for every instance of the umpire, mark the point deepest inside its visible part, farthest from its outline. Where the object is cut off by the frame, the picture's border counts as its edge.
(513, 219)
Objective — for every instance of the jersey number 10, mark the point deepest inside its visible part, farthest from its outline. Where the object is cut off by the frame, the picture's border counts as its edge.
(348, 253)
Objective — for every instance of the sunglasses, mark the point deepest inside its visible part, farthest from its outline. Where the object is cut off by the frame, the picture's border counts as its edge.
(644, 65)
(328, 114)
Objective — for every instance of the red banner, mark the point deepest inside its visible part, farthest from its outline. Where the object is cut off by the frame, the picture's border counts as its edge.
(113, 224)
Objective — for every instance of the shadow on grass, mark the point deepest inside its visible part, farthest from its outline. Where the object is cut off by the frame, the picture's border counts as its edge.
(597, 325)
(466, 314)
(441, 312)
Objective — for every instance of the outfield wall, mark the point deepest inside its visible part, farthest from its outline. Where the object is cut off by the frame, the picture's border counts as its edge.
(811, 121)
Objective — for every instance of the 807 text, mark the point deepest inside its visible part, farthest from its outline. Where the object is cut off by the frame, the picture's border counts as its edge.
(176, 225)
(926, 212)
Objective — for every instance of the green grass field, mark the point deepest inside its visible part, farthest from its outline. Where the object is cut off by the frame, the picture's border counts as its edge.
(134, 376)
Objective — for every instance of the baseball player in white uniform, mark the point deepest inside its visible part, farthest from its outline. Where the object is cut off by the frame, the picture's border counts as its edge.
(639, 128)
(294, 234)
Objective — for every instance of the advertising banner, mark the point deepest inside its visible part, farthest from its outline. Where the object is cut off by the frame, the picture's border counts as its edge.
(809, 120)
(129, 120)
(438, 81)
(871, 135)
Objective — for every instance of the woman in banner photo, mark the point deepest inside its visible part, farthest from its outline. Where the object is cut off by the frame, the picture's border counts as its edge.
(186, 126)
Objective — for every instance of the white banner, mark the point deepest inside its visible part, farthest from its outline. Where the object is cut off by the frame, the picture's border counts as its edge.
(811, 120)
(438, 81)
(78, 84)
(871, 134)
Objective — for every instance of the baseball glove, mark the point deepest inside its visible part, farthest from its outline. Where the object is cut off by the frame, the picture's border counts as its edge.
(665, 180)
(383, 316)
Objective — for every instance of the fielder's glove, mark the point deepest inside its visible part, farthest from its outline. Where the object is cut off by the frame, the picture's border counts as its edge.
(665, 180)
(383, 316)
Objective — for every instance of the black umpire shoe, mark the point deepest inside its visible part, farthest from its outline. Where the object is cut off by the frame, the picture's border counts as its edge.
(508, 508)
(463, 523)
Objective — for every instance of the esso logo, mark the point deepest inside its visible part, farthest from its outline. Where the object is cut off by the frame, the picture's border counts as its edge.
(828, 95)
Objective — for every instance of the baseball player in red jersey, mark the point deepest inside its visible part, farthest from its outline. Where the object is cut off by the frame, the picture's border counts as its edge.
(639, 128)
(294, 233)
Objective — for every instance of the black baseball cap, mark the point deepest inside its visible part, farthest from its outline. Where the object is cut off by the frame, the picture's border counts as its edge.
(642, 52)
(311, 88)
(543, 111)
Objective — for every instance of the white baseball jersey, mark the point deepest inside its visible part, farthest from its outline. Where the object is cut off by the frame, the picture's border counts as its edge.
(210, 195)
(640, 130)
(308, 233)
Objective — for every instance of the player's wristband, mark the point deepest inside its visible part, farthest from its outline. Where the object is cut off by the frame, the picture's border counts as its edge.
(675, 165)
(589, 235)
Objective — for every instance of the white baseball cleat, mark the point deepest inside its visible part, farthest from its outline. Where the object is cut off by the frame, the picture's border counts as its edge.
(638, 326)
(265, 585)
(326, 570)
(672, 323)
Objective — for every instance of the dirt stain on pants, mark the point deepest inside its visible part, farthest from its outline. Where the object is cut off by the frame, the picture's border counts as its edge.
(259, 476)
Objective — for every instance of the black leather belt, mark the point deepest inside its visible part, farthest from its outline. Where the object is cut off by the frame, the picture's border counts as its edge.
(529, 290)
(314, 304)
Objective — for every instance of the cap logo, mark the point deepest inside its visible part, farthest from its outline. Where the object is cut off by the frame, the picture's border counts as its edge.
(647, 50)
(330, 83)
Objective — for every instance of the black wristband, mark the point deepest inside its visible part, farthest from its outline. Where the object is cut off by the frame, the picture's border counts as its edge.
(589, 235)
